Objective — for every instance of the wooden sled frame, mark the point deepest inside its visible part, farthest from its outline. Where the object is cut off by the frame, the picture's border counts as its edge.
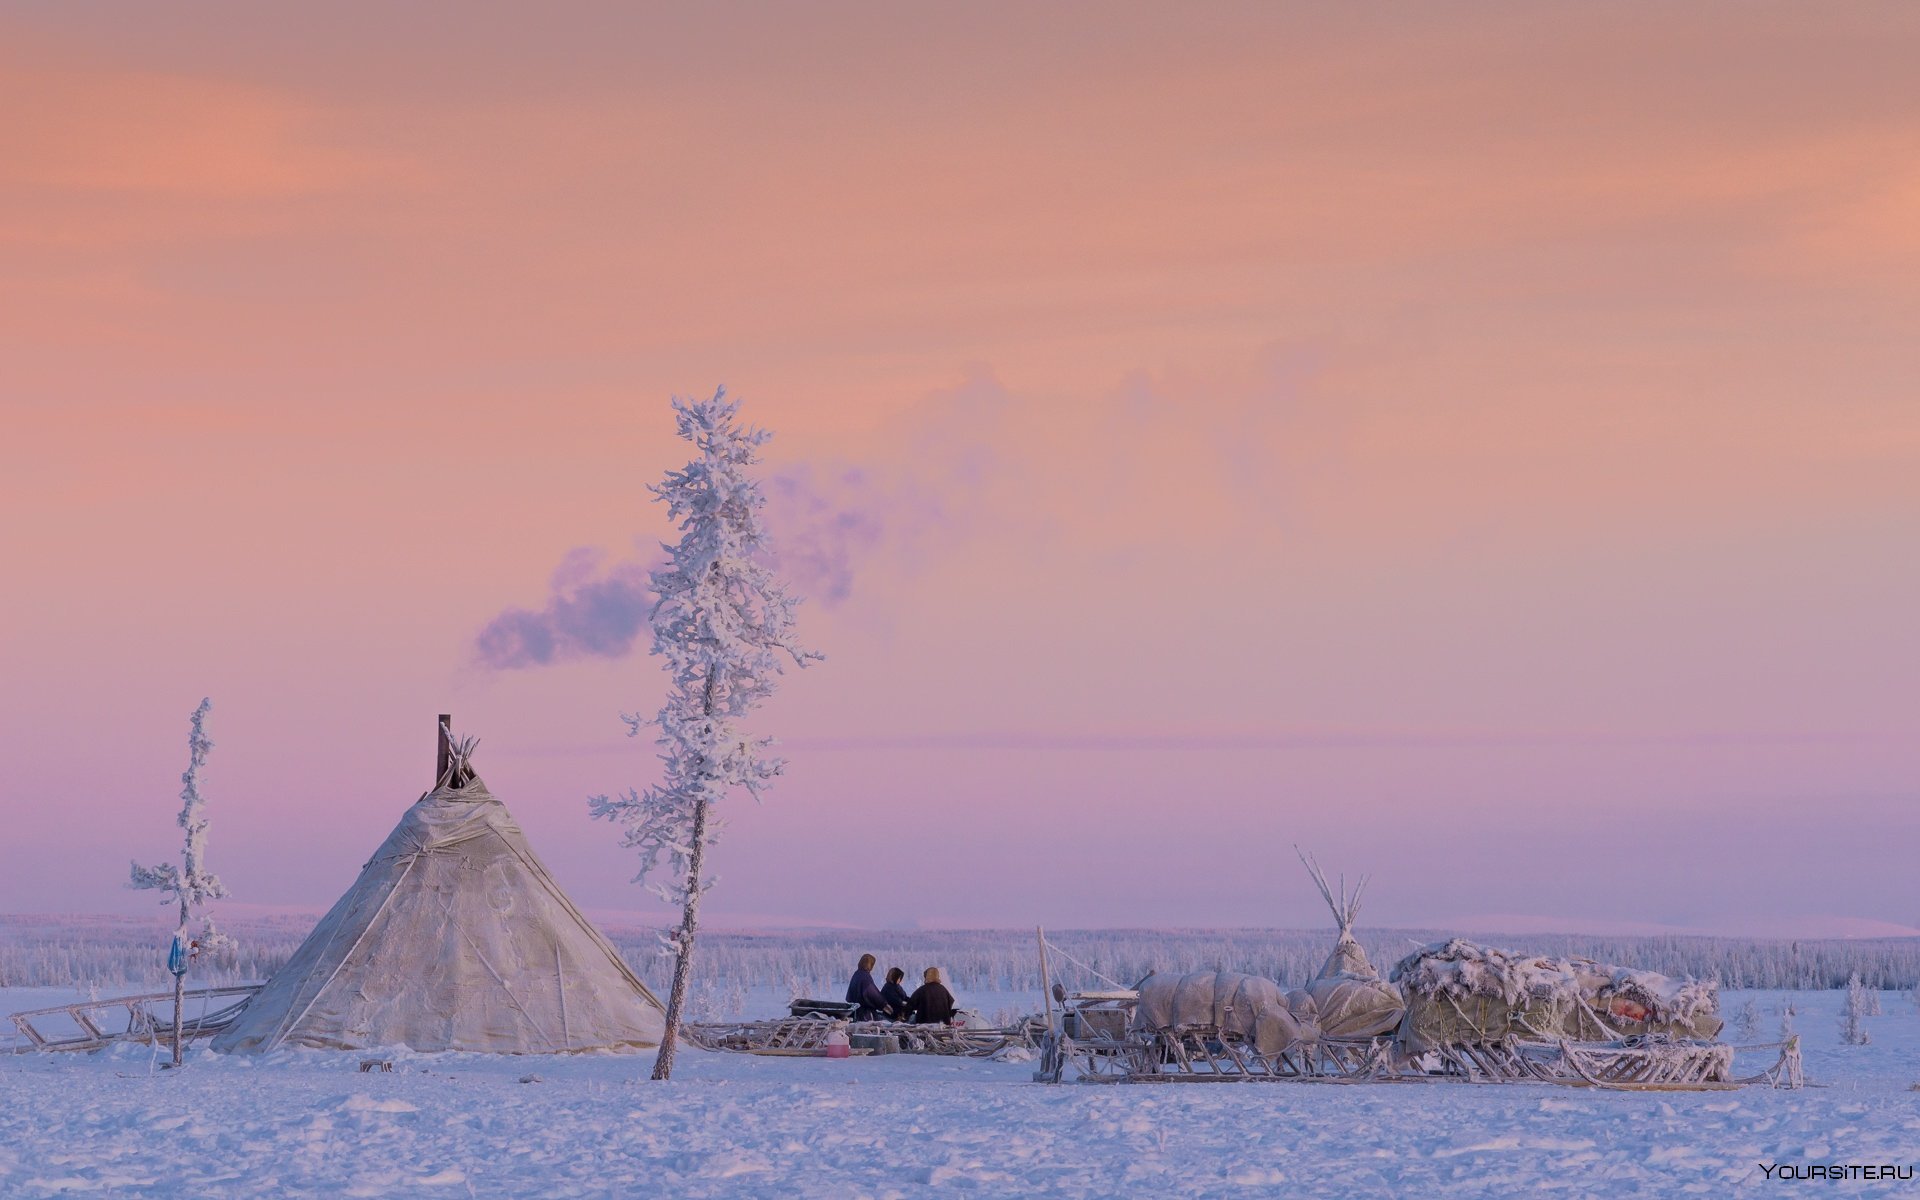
(805, 1034)
(148, 1020)
(1206, 1054)
(1650, 1063)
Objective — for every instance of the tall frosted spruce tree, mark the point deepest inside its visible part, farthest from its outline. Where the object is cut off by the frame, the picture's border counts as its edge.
(189, 884)
(725, 625)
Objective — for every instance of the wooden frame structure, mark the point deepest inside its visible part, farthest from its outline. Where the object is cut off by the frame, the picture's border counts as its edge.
(126, 1019)
(1205, 1053)
(808, 1034)
(1107, 1051)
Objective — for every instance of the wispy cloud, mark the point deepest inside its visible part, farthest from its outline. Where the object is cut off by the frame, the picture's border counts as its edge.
(593, 610)
(830, 522)
(827, 523)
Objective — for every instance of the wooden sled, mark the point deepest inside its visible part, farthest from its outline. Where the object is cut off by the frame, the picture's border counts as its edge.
(1205, 1054)
(804, 1034)
(1649, 1063)
(146, 1018)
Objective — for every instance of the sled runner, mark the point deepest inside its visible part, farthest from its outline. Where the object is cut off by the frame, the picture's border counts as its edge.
(94, 1024)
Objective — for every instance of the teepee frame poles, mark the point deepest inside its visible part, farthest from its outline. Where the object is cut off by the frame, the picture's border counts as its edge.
(456, 756)
(1346, 910)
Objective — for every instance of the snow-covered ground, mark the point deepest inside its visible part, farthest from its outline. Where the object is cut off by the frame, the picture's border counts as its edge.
(309, 1124)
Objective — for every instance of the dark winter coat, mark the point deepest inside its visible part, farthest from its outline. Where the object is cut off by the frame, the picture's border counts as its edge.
(896, 1000)
(863, 991)
(932, 1004)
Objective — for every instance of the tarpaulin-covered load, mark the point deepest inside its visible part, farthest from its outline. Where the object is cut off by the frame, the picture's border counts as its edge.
(1349, 998)
(1356, 1008)
(454, 937)
(1226, 1000)
(1458, 992)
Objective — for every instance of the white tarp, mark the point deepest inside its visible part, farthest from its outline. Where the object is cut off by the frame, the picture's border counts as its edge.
(1350, 1000)
(454, 937)
(1346, 1007)
(1226, 1000)
(1347, 960)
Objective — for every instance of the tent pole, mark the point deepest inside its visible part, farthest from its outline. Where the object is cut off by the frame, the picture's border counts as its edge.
(1046, 983)
(446, 749)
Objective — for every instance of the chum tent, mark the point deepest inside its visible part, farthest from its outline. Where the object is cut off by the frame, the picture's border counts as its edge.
(454, 937)
(1349, 998)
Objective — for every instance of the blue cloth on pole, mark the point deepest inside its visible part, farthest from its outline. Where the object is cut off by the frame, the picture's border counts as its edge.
(177, 955)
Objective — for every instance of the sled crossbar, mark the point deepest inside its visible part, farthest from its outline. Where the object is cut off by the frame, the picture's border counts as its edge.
(145, 1018)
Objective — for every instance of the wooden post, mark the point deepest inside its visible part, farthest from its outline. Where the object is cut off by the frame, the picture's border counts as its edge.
(446, 748)
(179, 978)
(179, 1001)
(1046, 982)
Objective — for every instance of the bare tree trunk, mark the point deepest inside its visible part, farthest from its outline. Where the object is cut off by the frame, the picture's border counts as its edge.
(179, 988)
(689, 919)
(683, 963)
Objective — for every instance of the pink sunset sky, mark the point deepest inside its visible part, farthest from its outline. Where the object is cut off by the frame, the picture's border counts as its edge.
(1480, 443)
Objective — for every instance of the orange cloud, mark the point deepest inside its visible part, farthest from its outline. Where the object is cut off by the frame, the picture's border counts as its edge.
(152, 133)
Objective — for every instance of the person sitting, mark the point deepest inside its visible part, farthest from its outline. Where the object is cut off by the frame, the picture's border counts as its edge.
(863, 992)
(931, 1003)
(895, 995)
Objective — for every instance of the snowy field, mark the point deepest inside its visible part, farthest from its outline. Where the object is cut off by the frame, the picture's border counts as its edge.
(307, 1123)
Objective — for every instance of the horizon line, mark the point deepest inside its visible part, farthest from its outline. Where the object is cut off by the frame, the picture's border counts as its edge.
(624, 920)
(1275, 740)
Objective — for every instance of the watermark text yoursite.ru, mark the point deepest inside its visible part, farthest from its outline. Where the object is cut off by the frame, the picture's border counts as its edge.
(1825, 1172)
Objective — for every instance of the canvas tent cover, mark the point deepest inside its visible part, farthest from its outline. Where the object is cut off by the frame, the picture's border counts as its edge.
(1350, 1000)
(1226, 1000)
(1347, 1007)
(1462, 993)
(454, 937)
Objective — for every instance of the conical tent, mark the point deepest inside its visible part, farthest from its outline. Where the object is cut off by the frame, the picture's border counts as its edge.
(454, 937)
(1347, 959)
(1349, 998)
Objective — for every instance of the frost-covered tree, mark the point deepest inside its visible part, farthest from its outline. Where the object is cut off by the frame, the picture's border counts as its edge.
(189, 884)
(1853, 1014)
(725, 625)
(1747, 1021)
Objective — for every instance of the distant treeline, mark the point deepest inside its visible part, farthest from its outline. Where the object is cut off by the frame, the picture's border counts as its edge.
(120, 953)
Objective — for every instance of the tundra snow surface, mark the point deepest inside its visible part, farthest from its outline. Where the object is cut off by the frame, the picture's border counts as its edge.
(307, 1123)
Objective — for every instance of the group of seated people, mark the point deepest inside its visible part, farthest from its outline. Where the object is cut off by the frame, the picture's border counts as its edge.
(930, 1004)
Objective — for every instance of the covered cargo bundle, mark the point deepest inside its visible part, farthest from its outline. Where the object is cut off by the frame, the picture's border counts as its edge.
(1356, 1008)
(1460, 993)
(1350, 1000)
(1228, 1001)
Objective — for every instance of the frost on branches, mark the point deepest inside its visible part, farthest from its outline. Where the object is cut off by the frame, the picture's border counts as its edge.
(190, 884)
(725, 626)
(1853, 1025)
